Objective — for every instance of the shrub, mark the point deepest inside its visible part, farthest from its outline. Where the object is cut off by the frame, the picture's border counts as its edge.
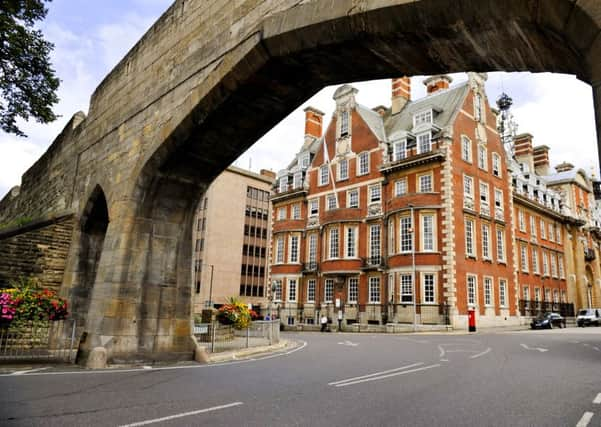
(234, 313)
(27, 301)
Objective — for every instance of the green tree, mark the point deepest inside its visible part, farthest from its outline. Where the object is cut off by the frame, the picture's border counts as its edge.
(27, 81)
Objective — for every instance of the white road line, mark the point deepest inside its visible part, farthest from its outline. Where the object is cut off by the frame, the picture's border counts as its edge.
(389, 375)
(542, 350)
(376, 374)
(597, 400)
(183, 414)
(596, 349)
(475, 356)
(586, 418)
(442, 351)
(28, 372)
(166, 368)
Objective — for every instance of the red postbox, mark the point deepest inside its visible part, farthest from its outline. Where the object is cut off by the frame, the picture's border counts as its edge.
(471, 319)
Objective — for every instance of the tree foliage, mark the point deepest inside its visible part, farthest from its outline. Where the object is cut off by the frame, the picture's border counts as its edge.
(28, 82)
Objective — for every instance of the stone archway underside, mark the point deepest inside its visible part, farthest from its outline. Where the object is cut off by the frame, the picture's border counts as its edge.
(208, 79)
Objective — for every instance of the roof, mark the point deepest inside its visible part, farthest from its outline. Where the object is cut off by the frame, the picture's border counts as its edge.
(445, 101)
(373, 120)
(565, 176)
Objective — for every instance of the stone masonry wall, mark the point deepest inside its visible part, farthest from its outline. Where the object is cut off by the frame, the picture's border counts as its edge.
(37, 250)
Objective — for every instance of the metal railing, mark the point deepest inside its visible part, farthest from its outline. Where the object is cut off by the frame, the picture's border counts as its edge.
(220, 338)
(381, 314)
(534, 308)
(39, 341)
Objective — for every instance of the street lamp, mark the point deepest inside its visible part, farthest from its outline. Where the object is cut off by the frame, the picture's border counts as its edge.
(413, 268)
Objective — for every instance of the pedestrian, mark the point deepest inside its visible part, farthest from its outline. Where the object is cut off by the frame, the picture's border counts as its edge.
(324, 323)
(267, 318)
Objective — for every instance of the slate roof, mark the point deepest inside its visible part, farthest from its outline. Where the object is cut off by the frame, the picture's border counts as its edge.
(447, 102)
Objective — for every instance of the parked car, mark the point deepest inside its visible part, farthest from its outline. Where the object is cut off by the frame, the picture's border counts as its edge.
(549, 321)
(588, 317)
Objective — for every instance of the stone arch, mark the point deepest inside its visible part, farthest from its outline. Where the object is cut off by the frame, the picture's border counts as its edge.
(255, 81)
(93, 227)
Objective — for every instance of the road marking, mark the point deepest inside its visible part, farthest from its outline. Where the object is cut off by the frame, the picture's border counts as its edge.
(542, 350)
(586, 418)
(388, 376)
(167, 368)
(349, 343)
(28, 371)
(376, 373)
(586, 344)
(596, 348)
(475, 356)
(442, 351)
(183, 414)
(597, 399)
(147, 367)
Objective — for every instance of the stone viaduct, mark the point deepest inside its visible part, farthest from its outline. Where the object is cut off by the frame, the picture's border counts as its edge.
(106, 214)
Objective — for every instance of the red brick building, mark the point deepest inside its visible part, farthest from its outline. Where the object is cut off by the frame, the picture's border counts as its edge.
(398, 214)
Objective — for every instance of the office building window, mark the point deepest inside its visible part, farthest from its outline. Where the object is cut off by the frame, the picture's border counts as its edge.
(374, 290)
(406, 234)
(292, 290)
(353, 290)
(334, 252)
(329, 290)
(352, 198)
(406, 288)
(311, 290)
(429, 288)
(472, 284)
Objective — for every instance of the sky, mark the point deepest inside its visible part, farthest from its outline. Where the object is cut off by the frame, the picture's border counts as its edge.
(91, 37)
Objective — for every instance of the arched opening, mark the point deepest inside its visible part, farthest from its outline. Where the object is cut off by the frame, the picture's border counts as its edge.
(94, 224)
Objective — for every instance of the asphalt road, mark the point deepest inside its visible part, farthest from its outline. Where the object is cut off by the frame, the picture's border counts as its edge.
(528, 378)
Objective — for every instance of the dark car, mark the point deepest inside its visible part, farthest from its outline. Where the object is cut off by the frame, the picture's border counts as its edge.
(548, 321)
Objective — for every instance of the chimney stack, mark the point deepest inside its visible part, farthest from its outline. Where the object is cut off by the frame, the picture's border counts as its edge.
(313, 122)
(401, 93)
(268, 174)
(564, 167)
(438, 82)
(541, 159)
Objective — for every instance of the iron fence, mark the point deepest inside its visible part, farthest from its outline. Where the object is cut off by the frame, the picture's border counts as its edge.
(222, 338)
(373, 314)
(534, 308)
(39, 341)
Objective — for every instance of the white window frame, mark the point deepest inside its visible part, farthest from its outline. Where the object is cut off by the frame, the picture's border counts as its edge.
(350, 246)
(353, 290)
(496, 165)
(312, 255)
(543, 229)
(334, 250)
(421, 117)
(328, 290)
(282, 213)
(297, 180)
(406, 234)
(374, 190)
(350, 195)
(428, 186)
(406, 288)
(375, 240)
(428, 237)
(486, 241)
(283, 184)
(468, 187)
(482, 157)
(534, 256)
(533, 226)
(292, 290)
(279, 250)
(324, 175)
(331, 202)
(296, 211)
(311, 286)
(499, 199)
(420, 149)
(526, 292)
(500, 243)
(399, 150)
(471, 290)
(344, 123)
(363, 163)
(400, 187)
(466, 149)
(294, 249)
(484, 190)
(478, 108)
(550, 228)
(545, 264)
(522, 220)
(470, 237)
(502, 292)
(314, 207)
(343, 168)
(428, 296)
(488, 291)
(524, 258)
(277, 293)
(560, 266)
(374, 290)
(553, 265)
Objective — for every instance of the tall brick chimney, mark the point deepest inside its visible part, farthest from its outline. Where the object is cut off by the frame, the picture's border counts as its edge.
(401, 93)
(313, 122)
(438, 82)
(541, 159)
(523, 150)
(564, 167)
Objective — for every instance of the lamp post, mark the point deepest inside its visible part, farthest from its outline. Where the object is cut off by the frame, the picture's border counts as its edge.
(413, 269)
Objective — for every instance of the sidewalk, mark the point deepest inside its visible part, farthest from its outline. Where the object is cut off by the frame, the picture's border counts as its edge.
(244, 353)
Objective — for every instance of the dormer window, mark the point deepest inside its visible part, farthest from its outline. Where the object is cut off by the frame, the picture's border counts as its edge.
(297, 180)
(283, 184)
(424, 143)
(344, 123)
(304, 160)
(399, 150)
(422, 117)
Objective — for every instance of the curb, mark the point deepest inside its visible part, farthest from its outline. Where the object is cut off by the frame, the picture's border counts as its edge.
(228, 356)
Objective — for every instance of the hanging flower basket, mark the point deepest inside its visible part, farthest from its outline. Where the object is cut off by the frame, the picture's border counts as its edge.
(234, 313)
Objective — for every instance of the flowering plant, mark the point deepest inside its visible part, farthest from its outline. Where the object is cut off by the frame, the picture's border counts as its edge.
(26, 302)
(234, 313)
